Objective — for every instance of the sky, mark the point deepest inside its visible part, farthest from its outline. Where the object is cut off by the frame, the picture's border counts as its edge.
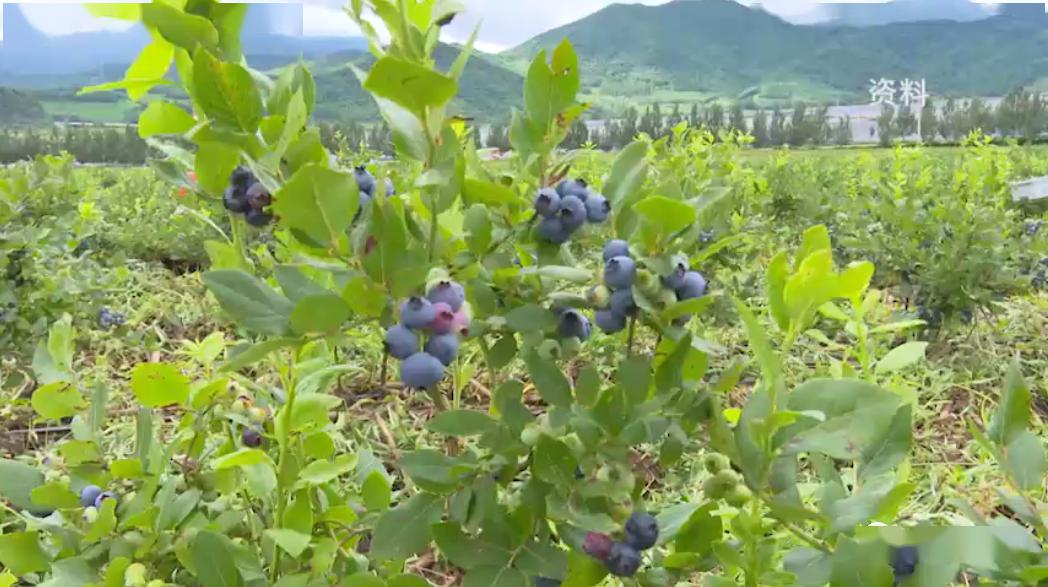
(505, 23)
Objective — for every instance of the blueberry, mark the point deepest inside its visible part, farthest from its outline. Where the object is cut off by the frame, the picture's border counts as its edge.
(574, 187)
(235, 200)
(597, 208)
(904, 561)
(572, 212)
(417, 313)
(102, 497)
(553, 230)
(675, 280)
(547, 202)
(622, 302)
(463, 318)
(444, 320)
(257, 218)
(251, 437)
(421, 370)
(449, 292)
(445, 347)
(401, 342)
(573, 324)
(623, 560)
(642, 531)
(365, 181)
(597, 545)
(609, 321)
(694, 286)
(619, 272)
(241, 177)
(89, 494)
(616, 248)
(258, 197)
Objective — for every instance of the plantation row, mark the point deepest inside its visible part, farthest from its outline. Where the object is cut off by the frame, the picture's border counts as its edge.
(671, 366)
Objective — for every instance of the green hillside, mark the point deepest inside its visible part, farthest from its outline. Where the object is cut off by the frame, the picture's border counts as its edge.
(17, 107)
(721, 48)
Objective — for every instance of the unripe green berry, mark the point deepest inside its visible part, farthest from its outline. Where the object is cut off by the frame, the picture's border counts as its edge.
(135, 575)
(712, 489)
(647, 283)
(738, 496)
(728, 477)
(598, 297)
(667, 297)
(549, 349)
(156, 583)
(530, 435)
(715, 462)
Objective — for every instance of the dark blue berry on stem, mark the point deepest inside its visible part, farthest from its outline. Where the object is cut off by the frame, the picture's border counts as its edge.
(642, 531)
(417, 313)
(623, 560)
(616, 248)
(89, 494)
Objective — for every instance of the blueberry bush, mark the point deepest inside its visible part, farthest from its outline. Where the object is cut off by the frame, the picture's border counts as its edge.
(575, 419)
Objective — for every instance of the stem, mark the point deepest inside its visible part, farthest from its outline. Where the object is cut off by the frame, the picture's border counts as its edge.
(383, 371)
(629, 336)
(432, 230)
(285, 442)
(808, 538)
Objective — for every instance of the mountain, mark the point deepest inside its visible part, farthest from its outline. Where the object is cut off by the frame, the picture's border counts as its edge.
(721, 48)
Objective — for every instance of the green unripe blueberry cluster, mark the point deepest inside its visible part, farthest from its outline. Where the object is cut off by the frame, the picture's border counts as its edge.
(441, 317)
(724, 483)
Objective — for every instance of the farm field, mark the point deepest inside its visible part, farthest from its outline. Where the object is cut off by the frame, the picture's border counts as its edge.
(688, 362)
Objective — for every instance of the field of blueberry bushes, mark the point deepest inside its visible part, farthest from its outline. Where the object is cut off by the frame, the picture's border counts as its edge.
(261, 363)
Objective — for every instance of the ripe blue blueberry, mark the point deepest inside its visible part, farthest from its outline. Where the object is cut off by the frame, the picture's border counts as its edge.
(574, 187)
(257, 218)
(623, 560)
(445, 347)
(251, 438)
(242, 178)
(609, 321)
(642, 531)
(693, 287)
(547, 202)
(553, 230)
(546, 582)
(235, 200)
(449, 292)
(421, 370)
(572, 212)
(616, 248)
(258, 196)
(573, 324)
(904, 561)
(597, 208)
(675, 280)
(619, 273)
(622, 302)
(417, 313)
(401, 342)
(102, 497)
(89, 494)
(365, 181)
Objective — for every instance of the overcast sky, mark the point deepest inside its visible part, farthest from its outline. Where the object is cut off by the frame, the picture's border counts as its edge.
(505, 23)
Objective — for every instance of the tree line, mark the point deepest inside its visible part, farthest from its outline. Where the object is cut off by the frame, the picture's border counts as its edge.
(88, 144)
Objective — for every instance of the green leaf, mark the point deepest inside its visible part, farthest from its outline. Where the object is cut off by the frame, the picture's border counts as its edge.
(319, 202)
(213, 562)
(157, 385)
(530, 318)
(816, 238)
(494, 576)
(812, 567)
(476, 191)
(255, 353)
(249, 301)
(900, 357)
(760, 346)
(465, 551)
(700, 531)
(214, 163)
(78, 452)
(376, 492)
(686, 307)
(21, 553)
(407, 528)
(553, 462)
(508, 403)
(1012, 417)
(854, 281)
(634, 377)
(147, 70)
(55, 495)
(183, 29)
(583, 570)
(311, 412)
(549, 380)
(321, 472)
(430, 469)
(119, 10)
(58, 400)
(858, 564)
(628, 174)
(321, 314)
(410, 85)
(1024, 459)
(460, 423)
(164, 118)
(243, 458)
(891, 448)
(409, 138)
(226, 92)
(290, 541)
(104, 524)
(665, 215)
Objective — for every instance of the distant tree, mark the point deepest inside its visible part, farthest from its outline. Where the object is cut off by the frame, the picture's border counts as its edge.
(760, 129)
(777, 129)
(905, 122)
(693, 118)
(737, 118)
(885, 125)
(675, 116)
(842, 134)
(929, 122)
(714, 117)
(577, 136)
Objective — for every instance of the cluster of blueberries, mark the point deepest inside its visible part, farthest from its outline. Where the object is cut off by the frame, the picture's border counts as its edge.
(566, 208)
(246, 195)
(615, 301)
(108, 319)
(622, 559)
(725, 482)
(93, 496)
(442, 316)
(366, 185)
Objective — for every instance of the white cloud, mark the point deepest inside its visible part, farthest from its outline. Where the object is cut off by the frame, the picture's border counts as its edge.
(62, 19)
